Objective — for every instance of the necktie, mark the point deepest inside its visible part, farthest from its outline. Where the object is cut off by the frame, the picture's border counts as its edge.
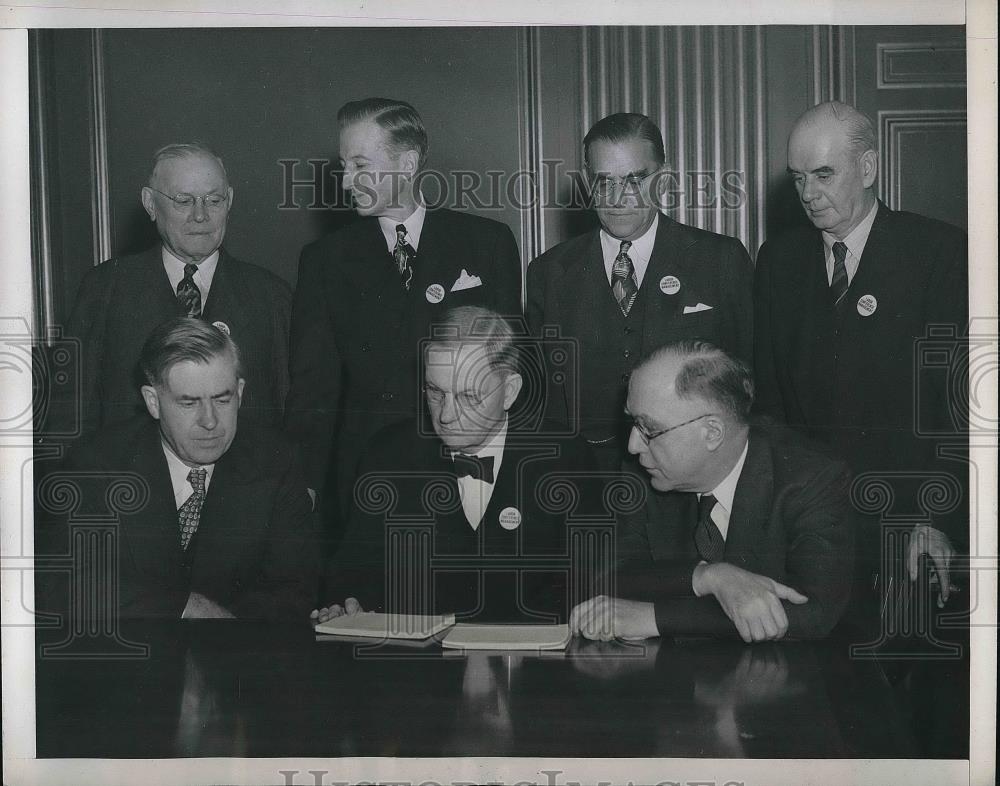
(623, 280)
(839, 283)
(190, 512)
(404, 254)
(474, 467)
(707, 537)
(187, 292)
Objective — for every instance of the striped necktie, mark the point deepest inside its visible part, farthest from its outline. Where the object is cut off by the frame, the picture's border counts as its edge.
(623, 280)
(839, 282)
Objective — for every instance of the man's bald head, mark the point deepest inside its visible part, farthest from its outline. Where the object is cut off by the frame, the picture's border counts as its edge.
(832, 159)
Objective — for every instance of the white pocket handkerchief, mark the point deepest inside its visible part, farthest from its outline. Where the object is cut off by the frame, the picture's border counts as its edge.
(465, 281)
(696, 309)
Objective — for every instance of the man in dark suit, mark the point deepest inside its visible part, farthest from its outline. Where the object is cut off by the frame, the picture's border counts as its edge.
(840, 311)
(227, 528)
(486, 491)
(120, 301)
(750, 532)
(640, 281)
(367, 294)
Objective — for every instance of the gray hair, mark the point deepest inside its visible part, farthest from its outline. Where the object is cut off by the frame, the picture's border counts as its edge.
(465, 325)
(184, 150)
(859, 129)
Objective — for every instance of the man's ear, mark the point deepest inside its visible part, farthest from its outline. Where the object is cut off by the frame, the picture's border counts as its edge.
(409, 162)
(240, 383)
(152, 399)
(146, 195)
(715, 432)
(229, 194)
(511, 389)
(869, 167)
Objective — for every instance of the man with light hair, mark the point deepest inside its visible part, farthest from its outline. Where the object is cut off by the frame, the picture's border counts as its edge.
(840, 310)
(476, 474)
(189, 273)
(367, 293)
(749, 531)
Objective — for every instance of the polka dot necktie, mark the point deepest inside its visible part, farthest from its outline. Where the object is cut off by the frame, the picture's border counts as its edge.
(188, 294)
(623, 280)
(707, 537)
(839, 283)
(404, 254)
(189, 513)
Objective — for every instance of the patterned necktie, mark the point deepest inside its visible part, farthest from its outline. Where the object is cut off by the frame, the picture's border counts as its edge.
(404, 254)
(623, 280)
(839, 283)
(474, 467)
(707, 537)
(187, 292)
(189, 513)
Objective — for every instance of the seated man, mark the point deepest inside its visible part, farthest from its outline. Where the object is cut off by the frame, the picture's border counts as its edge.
(452, 516)
(227, 528)
(751, 531)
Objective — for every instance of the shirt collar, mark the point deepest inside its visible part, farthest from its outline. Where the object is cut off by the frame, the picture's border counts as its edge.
(858, 236)
(414, 226)
(179, 473)
(175, 269)
(639, 252)
(725, 492)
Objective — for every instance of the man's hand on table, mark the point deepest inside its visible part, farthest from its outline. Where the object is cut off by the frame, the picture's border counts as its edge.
(351, 606)
(751, 601)
(604, 618)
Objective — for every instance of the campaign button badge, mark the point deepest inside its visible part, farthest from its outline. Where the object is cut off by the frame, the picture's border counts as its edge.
(670, 285)
(510, 518)
(221, 326)
(867, 305)
(434, 293)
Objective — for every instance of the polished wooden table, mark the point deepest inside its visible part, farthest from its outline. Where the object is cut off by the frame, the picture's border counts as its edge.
(234, 689)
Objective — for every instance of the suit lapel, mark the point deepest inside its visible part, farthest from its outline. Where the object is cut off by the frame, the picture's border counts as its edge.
(751, 503)
(879, 269)
(668, 259)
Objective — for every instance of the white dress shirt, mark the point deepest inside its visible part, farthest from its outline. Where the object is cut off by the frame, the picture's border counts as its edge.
(855, 243)
(476, 493)
(640, 251)
(202, 279)
(725, 492)
(179, 476)
(414, 225)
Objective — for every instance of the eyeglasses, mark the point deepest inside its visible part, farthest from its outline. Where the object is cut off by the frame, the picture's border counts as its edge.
(631, 183)
(649, 436)
(211, 202)
(464, 400)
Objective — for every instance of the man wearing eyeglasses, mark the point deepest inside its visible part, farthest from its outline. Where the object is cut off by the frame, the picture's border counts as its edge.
(638, 282)
(479, 486)
(188, 273)
(749, 532)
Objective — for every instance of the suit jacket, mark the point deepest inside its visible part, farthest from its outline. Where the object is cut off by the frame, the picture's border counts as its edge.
(408, 480)
(356, 330)
(852, 380)
(790, 521)
(567, 287)
(255, 551)
(120, 302)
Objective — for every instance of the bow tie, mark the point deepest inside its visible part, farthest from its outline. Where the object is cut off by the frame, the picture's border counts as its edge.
(474, 467)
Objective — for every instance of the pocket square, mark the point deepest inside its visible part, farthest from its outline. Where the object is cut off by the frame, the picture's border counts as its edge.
(696, 309)
(465, 281)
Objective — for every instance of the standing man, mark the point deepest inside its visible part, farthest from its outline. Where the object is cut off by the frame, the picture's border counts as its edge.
(226, 528)
(367, 294)
(120, 301)
(840, 308)
(480, 478)
(749, 532)
(640, 281)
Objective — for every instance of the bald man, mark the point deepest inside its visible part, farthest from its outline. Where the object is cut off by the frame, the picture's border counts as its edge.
(747, 531)
(839, 310)
(188, 273)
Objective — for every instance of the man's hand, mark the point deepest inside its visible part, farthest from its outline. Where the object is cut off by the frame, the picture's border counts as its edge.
(751, 601)
(201, 608)
(350, 607)
(935, 544)
(607, 618)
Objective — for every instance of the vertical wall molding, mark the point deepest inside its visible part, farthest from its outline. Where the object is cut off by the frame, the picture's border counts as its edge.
(704, 87)
(529, 123)
(41, 217)
(100, 203)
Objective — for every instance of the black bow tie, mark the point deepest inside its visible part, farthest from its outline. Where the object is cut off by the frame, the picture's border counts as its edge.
(474, 467)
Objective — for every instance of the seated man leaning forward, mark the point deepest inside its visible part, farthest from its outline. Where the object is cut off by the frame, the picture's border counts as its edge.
(227, 528)
(750, 532)
(457, 502)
